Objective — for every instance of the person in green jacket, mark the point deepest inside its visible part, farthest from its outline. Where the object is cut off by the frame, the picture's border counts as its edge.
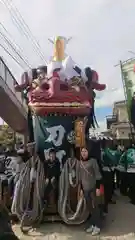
(108, 165)
(130, 168)
(127, 178)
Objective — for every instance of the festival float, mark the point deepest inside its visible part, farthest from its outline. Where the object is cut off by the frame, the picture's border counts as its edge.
(60, 98)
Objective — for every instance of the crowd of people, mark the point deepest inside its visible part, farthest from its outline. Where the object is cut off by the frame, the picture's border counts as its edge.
(106, 162)
(100, 176)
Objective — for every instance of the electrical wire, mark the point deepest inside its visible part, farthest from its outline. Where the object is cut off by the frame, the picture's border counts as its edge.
(9, 43)
(4, 48)
(23, 27)
(18, 48)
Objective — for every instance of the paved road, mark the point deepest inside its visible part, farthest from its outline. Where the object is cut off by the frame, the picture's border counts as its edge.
(120, 225)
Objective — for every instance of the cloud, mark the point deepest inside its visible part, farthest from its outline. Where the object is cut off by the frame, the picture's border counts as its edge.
(102, 125)
(108, 98)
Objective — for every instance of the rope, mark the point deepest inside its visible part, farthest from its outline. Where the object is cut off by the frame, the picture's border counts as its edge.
(70, 174)
(22, 195)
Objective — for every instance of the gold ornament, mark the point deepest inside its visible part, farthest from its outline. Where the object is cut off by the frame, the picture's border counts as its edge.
(79, 133)
(59, 49)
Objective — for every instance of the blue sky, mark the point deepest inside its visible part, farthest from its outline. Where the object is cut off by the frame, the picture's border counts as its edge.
(102, 34)
(102, 112)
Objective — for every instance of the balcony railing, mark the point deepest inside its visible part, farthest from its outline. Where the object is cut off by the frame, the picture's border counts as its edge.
(9, 79)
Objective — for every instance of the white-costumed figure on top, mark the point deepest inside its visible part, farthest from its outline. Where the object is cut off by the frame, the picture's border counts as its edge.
(68, 69)
(61, 61)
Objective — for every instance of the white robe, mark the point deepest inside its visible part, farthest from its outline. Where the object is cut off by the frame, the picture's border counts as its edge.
(67, 72)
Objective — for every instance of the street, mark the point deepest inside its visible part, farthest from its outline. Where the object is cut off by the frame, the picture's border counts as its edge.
(119, 224)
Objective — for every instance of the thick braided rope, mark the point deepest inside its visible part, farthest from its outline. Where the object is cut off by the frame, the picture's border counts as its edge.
(64, 208)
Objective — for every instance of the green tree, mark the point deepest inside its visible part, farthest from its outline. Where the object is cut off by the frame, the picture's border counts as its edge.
(6, 136)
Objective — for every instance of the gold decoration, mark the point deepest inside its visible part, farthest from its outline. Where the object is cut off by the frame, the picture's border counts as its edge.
(79, 133)
(59, 49)
(35, 83)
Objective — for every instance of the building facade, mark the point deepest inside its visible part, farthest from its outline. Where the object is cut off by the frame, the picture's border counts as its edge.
(118, 124)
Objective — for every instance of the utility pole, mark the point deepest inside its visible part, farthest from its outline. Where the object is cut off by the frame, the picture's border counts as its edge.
(125, 94)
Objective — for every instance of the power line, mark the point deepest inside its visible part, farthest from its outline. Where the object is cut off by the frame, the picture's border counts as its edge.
(14, 49)
(132, 52)
(11, 56)
(23, 27)
(13, 18)
(19, 24)
(18, 48)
